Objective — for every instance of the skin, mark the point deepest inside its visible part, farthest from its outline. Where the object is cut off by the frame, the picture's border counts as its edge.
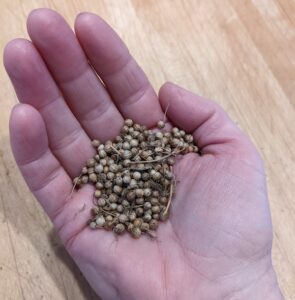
(217, 242)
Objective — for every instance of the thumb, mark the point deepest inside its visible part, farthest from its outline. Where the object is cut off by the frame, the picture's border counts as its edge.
(213, 131)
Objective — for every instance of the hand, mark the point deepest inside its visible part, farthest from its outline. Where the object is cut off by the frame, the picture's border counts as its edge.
(217, 242)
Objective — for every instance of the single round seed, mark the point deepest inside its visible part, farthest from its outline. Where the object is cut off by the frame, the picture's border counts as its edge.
(99, 185)
(95, 143)
(98, 168)
(147, 184)
(168, 175)
(101, 202)
(145, 176)
(113, 206)
(84, 170)
(109, 218)
(156, 194)
(76, 181)
(119, 228)
(97, 193)
(132, 216)
(140, 184)
(103, 162)
(134, 142)
(133, 184)
(92, 225)
(124, 129)
(189, 138)
(108, 148)
(90, 170)
(84, 179)
(145, 226)
(141, 138)
(102, 153)
(156, 209)
(125, 203)
(156, 176)
(128, 122)
(163, 200)
(134, 151)
(126, 154)
(118, 139)
(147, 205)
(90, 162)
(144, 154)
(111, 161)
(105, 169)
(136, 232)
(126, 146)
(156, 216)
(126, 162)
(130, 227)
(170, 161)
(147, 217)
(152, 172)
(123, 218)
(147, 192)
(154, 201)
(137, 222)
(139, 201)
(110, 175)
(159, 135)
(126, 179)
(117, 189)
(153, 224)
(148, 212)
(93, 177)
(161, 124)
(139, 193)
(136, 175)
(119, 181)
(120, 208)
(139, 211)
(113, 198)
(100, 221)
(108, 184)
(158, 149)
(130, 196)
(113, 167)
(128, 137)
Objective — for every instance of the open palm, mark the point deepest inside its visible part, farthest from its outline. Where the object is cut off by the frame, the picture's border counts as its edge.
(217, 241)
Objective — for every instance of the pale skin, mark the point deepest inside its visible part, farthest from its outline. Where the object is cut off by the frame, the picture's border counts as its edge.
(217, 243)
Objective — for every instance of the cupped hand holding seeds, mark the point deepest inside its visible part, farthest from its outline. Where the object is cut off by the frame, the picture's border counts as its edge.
(216, 243)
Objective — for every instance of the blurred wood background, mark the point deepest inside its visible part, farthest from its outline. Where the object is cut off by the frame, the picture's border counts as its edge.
(239, 52)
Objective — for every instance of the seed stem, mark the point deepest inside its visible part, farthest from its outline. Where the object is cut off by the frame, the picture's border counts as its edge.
(156, 160)
(115, 150)
(169, 200)
(107, 212)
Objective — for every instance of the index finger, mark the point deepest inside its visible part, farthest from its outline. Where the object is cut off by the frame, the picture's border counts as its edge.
(125, 80)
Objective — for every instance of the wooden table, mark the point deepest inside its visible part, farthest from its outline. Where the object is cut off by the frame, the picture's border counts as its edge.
(238, 52)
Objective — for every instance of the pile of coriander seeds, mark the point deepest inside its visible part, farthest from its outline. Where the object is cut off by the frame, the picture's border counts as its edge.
(133, 178)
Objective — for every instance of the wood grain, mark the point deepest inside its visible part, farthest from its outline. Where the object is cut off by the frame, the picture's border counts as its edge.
(238, 52)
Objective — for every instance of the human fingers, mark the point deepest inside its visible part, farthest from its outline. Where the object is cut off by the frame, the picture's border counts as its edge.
(82, 89)
(35, 86)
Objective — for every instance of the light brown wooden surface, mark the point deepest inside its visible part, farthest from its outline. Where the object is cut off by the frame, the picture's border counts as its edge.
(238, 52)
